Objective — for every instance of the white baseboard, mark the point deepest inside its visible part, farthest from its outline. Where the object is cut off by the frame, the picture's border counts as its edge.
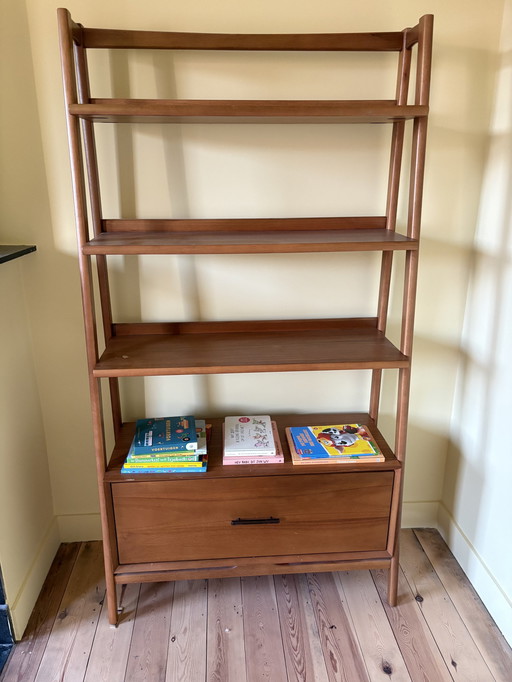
(82, 527)
(23, 603)
(478, 573)
(419, 514)
(79, 527)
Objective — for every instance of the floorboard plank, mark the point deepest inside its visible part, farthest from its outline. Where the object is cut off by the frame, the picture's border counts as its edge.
(67, 653)
(342, 655)
(264, 654)
(374, 633)
(454, 641)
(109, 654)
(488, 638)
(312, 626)
(27, 654)
(186, 660)
(325, 627)
(225, 651)
(415, 641)
(147, 658)
(304, 660)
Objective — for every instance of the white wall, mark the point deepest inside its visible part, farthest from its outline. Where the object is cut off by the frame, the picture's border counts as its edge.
(477, 505)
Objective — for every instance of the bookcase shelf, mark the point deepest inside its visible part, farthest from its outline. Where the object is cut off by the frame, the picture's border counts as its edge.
(325, 517)
(252, 347)
(216, 470)
(246, 111)
(270, 241)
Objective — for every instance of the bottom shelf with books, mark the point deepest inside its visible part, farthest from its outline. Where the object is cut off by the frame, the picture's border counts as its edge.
(216, 469)
(254, 519)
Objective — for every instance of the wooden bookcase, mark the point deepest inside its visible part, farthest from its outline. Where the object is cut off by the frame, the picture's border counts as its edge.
(330, 517)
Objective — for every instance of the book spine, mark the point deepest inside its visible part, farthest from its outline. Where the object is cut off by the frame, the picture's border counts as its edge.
(176, 465)
(258, 460)
(172, 470)
(161, 459)
(251, 453)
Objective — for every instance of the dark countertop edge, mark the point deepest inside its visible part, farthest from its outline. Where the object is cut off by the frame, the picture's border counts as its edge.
(11, 251)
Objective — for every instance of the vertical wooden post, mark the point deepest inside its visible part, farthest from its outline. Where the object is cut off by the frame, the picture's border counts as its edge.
(419, 139)
(395, 167)
(66, 29)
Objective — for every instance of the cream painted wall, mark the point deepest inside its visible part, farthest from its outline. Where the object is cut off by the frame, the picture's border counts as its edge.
(261, 172)
(249, 171)
(29, 535)
(477, 505)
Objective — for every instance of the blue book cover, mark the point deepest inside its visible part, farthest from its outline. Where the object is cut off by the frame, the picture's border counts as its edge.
(202, 432)
(165, 434)
(331, 441)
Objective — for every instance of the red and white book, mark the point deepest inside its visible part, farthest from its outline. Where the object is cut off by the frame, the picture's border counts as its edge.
(248, 436)
(278, 458)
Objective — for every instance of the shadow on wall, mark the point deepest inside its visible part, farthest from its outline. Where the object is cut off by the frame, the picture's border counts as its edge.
(479, 470)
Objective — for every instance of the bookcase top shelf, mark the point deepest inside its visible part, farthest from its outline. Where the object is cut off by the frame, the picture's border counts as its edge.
(245, 111)
(112, 39)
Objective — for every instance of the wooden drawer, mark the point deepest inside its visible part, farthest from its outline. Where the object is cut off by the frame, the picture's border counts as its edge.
(193, 519)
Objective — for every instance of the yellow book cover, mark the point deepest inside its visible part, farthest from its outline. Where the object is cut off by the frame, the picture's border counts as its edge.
(333, 440)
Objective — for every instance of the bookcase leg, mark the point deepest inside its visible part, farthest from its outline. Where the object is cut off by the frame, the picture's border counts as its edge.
(393, 581)
(111, 597)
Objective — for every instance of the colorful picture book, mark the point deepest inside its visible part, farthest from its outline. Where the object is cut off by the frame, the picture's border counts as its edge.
(171, 462)
(202, 432)
(333, 444)
(165, 434)
(172, 469)
(278, 458)
(248, 436)
(160, 465)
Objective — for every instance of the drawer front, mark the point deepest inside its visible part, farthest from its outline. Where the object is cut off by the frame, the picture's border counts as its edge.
(274, 515)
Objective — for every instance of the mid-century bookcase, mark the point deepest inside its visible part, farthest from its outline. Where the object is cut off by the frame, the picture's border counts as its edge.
(162, 527)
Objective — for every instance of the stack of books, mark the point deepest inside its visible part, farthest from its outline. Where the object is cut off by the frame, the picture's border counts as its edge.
(251, 440)
(333, 444)
(168, 445)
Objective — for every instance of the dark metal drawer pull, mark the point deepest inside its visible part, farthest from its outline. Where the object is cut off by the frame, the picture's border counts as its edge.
(249, 522)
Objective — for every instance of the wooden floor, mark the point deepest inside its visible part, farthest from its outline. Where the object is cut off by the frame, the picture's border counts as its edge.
(314, 628)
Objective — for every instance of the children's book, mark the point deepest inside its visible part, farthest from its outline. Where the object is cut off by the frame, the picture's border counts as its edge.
(248, 435)
(203, 431)
(333, 442)
(172, 469)
(199, 470)
(278, 458)
(165, 434)
(315, 461)
(163, 465)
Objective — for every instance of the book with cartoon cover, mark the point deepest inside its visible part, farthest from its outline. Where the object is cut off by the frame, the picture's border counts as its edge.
(332, 441)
